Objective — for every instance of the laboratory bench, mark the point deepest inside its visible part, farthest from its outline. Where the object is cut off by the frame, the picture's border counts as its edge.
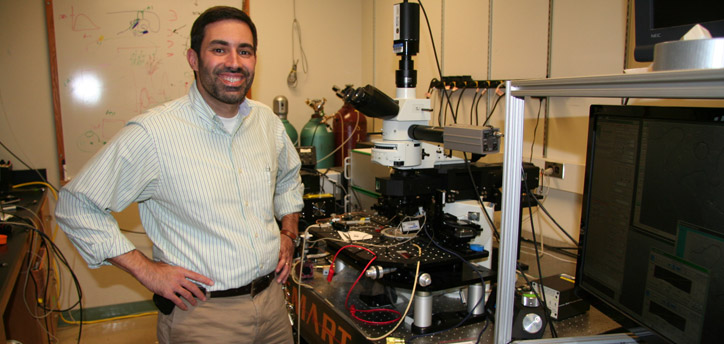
(23, 254)
(323, 317)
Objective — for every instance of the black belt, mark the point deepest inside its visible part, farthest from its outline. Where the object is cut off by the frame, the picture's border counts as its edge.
(255, 287)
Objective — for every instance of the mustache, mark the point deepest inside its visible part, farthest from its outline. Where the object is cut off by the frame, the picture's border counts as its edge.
(243, 71)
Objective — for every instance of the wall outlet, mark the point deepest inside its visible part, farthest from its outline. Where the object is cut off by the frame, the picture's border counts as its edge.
(554, 169)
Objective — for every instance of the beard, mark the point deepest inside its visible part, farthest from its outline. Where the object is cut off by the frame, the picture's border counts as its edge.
(211, 82)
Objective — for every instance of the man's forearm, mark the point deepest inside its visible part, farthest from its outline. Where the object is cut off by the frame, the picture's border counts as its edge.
(133, 262)
(290, 222)
(171, 282)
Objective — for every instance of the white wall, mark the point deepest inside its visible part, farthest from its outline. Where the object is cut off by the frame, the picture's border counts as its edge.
(331, 38)
(26, 108)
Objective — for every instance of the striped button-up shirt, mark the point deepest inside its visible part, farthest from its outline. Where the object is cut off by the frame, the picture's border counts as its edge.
(207, 197)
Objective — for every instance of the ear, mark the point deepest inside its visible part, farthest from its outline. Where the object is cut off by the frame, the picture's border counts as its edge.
(193, 59)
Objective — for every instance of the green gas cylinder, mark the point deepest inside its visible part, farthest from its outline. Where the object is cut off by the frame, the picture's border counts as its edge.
(316, 133)
(281, 109)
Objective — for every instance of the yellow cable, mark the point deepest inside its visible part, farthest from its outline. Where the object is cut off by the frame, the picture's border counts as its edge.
(130, 316)
(412, 296)
(57, 276)
(55, 194)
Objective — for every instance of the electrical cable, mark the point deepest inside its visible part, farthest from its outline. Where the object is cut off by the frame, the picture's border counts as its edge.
(41, 301)
(439, 114)
(543, 191)
(409, 303)
(352, 309)
(55, 197)
(477, 116)
(31, 264)
(552, 256)
(448, 96)
(5, 116)
(558, 249)
(485, 327)
(296, 28)
(496, 234)
(50, 187)
(324, 175)
(487, 118)
(472, 103)
(434, 49)
(299, 282)
(466, 160)
(334, 183)
(403, 315)
(444, 108)
(60, 257)
(437, 61)
(537, 259)
(356, 128)
(540, 205)
(28, 166)
(473, 268)
(457, 106)
(55, 251)
(535, 129)
(121, 317)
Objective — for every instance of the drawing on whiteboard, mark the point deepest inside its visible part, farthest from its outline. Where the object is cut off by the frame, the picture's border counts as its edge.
(137, 51)
(89, 142)
(143, 23)
(97, 136)
(175, 31)
(79, 22)
(175, 15)
(143, 59)
(153, 93)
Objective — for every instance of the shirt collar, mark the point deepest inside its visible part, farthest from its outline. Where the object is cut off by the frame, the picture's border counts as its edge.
(204, 110)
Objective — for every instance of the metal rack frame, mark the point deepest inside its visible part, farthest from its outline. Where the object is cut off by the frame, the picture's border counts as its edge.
(684, 84)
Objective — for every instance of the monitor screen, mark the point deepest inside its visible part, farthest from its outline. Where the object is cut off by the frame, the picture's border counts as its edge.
(652, 224)
(659, 21)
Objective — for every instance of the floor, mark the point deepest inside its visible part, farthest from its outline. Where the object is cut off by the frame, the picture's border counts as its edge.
(141, 330)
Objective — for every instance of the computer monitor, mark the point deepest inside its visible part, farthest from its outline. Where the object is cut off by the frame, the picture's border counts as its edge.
(652, 222)
(659, 21)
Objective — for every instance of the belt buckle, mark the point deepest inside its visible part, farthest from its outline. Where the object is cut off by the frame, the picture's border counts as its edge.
(254, 287)
(259, 285)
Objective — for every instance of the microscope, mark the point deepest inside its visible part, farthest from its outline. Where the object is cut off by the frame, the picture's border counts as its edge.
(447, 199)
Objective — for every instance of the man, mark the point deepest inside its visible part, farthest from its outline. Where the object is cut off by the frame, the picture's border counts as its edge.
(210, 171)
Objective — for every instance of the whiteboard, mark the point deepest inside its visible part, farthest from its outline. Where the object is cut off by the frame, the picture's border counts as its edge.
(116, 59)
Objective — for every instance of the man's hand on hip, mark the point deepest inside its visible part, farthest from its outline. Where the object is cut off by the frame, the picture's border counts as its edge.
(171, 282)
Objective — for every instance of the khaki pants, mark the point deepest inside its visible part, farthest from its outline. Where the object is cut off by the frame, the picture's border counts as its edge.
(238, 319)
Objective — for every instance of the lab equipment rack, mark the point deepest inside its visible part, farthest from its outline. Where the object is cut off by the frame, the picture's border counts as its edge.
(678, 84)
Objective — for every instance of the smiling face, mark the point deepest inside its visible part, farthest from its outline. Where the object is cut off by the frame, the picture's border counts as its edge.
(224, 65)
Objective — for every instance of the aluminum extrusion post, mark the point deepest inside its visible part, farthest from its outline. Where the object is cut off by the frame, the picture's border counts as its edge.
(510, 206)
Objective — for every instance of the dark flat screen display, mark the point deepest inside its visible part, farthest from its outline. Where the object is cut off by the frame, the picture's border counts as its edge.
(652, 231)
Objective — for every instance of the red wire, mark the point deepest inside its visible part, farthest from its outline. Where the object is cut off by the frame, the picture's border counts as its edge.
(352, 310)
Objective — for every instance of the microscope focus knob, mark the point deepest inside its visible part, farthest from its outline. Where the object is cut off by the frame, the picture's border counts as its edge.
(424, 280)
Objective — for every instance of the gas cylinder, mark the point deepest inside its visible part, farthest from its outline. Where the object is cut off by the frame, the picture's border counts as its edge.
(316, 133)
(281, 109)
(351, 126)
